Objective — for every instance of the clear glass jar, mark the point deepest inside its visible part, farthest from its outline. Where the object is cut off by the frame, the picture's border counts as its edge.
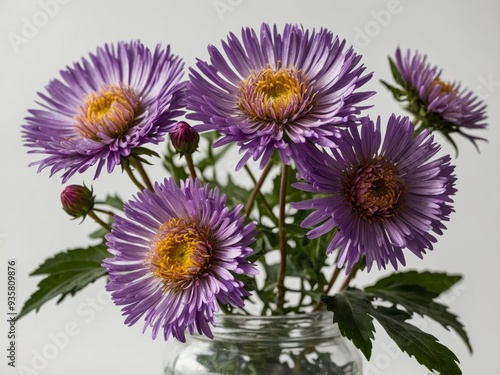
(308, 344)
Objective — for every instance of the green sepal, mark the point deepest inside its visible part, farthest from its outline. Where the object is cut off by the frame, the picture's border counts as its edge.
(67, 273)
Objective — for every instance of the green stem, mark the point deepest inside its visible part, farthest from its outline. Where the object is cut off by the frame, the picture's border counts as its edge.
(349, 277)
(335, 275)
(272, 216)
(190, 165)
(127, 169)
(282, 237)
(140, 168)
(256, 189)
(99, 221)
(104, 211)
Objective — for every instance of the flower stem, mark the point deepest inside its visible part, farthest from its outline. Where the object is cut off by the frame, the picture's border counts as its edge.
(138, 165)
(99, 221)
(335, 275)
(256, 189)
(349, 277)
(190, 164)
(282, 237)
(104, 211)
(272, 216)
(127, 169)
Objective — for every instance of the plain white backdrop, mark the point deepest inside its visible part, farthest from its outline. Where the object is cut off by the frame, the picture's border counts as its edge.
(85, 334)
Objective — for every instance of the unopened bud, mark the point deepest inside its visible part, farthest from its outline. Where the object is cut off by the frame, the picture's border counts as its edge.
(184, 138)
(77, 200)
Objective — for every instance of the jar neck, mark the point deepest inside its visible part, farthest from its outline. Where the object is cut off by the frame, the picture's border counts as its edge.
(292, 328)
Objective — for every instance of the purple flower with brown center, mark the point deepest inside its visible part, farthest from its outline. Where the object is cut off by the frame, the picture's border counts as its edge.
(380, 195)
(277, 89)
(104, 108)
(175, 256)
(437, 104)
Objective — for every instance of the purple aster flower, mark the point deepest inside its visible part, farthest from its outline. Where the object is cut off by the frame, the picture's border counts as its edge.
(122, 98)
(439, 105)
(381, 195)
(175, 255)
(278, 89)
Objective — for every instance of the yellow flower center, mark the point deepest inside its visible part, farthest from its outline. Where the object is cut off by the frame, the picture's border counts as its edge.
(445, 87)
(107, 113)
(275, 95)
(180, 252)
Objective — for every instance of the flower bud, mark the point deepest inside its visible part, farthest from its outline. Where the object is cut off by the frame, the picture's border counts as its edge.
(77, 200)
(184, 138)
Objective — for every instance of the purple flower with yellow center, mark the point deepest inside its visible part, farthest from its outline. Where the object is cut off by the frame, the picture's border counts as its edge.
(439, 105)
(175, 256)
(269, 92)
(380, 195)
(104, 108)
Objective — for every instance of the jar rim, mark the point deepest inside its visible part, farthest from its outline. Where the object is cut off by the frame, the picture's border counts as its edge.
(316, 325)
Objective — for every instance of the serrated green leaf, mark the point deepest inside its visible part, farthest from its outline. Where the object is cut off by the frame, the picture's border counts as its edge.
(68, 272)
(431, 281)
(402, 289)
(350, 310)
(424, 347)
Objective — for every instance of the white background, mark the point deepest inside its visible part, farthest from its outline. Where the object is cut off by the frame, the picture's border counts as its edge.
(461, 36)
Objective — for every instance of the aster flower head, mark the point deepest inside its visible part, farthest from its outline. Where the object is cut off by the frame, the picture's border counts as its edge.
(103, 108)
(277, 89)
(381, 195)
(439, 105)
(175, 256)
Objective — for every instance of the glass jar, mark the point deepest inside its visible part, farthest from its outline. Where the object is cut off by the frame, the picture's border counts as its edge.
(308, 344)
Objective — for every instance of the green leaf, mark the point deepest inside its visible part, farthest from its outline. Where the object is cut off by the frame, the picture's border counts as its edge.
(114, 201)
(399, 95)
(424, 347)
(416, 293)
(350, 310)
(169, 163)
(68, 272)
(144, 151)
(99, 234)
(395, 73)
(431, 281)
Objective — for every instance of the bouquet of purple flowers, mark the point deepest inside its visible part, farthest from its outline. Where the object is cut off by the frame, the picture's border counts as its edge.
(347, 192)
